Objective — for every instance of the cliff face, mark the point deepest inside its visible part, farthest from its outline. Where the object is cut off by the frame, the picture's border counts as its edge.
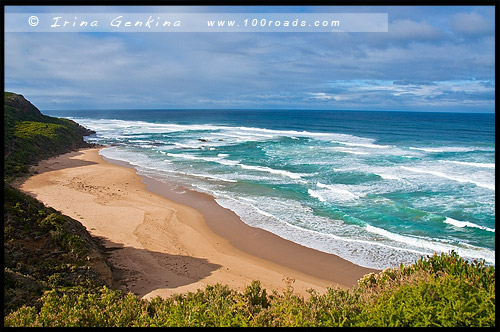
(30, 136)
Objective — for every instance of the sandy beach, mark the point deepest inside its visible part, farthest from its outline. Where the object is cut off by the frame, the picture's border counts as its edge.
(165, 239)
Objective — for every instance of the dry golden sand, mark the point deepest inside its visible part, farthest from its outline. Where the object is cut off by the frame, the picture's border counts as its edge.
(159, 246)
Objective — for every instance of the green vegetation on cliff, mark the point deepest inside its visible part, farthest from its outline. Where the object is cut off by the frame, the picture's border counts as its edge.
(30, 136)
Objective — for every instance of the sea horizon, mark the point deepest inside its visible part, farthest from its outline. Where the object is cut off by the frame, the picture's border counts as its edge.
(464, 111)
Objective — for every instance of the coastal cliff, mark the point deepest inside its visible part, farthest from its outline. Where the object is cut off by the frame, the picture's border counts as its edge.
(43, 249)
(30, 136)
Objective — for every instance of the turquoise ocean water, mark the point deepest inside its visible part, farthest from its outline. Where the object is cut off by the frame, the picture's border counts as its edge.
(376, 188)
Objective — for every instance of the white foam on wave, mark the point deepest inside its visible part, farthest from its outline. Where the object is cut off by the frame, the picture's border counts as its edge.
(366, 253)
(387, 176)
(246, 208)
(416, 242)
(339, 191)
(446, 176)
(140, 127)
(229, 135)
(152, 167)
(138, 141)
(291, 175)
(443, 149)
(294, 133)
(210, 177)
(218, 160)
(248, 199)
(462, 224)
(316, 194)
(364, 145)
(253, 206)
(465, 163)
(464, 250)
(351, 151)
(186, 146)
(109, 127)
(133, 158)
(358, 241)
(370, 252)
(228, 162)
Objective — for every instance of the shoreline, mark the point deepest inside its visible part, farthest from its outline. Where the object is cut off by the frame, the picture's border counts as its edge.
(166, 242)
(229, 225)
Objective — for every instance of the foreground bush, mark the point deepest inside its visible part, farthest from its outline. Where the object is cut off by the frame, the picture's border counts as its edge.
(45, 250)
(441, 290)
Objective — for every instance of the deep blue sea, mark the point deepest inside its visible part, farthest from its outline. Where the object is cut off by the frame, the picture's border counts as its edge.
(376, 188)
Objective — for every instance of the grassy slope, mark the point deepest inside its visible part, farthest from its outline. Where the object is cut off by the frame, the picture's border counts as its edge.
(30, 136)
(47, 253)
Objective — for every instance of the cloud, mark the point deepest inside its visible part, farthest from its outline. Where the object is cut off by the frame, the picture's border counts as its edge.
(406, 94)
(472, 24)
(416, 64)
(406, 29)
(321, 96)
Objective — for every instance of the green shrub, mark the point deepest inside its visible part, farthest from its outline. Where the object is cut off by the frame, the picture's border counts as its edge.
(416, 295)
(440, 290)
(445, 301)
(42, 250)
(103, 308)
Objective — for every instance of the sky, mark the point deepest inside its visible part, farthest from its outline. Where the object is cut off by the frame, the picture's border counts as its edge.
(432, 58)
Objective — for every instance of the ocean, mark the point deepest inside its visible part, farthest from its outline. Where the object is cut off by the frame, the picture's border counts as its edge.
(376, 188)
